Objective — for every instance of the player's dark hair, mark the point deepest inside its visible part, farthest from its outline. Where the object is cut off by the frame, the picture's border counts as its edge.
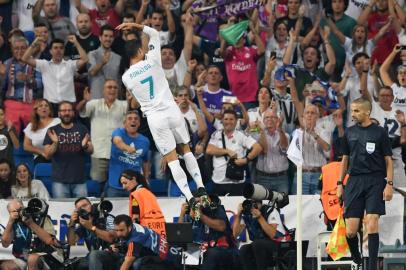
(132, 47)
(385, 87)
(123, 218)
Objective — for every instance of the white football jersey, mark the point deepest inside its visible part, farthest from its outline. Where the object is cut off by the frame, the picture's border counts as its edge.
(146, 79)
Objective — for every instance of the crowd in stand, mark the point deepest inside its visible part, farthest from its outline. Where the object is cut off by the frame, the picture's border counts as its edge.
(299, 65)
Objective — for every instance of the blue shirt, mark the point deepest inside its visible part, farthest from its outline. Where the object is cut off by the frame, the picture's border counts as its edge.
(142, 241)
(22, 240)
(120, 161)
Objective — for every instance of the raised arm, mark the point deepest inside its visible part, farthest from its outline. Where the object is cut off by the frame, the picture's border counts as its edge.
(334, 29)
(80, 7)
(82, 53)
(363, 17)
(142, 11)
(266, 80)
(36, 11)
(329, 67)
(188, 42)
(120, 7)
(287, 58)
(27, 57)
(170, 20)
(384, 69)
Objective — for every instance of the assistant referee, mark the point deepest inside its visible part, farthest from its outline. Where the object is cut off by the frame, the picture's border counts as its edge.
(368, 161)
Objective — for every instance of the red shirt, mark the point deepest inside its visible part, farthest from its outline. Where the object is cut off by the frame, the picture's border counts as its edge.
(98, 20)
(386, 43)
(241, 68)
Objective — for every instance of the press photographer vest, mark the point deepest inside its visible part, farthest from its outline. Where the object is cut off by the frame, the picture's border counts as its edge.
(151, 215)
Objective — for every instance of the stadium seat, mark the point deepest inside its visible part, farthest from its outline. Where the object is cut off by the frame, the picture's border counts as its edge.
(22, 156)
(43, 172)
(159, 187)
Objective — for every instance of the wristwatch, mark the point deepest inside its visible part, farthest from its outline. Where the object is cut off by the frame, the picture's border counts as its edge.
(390, 183)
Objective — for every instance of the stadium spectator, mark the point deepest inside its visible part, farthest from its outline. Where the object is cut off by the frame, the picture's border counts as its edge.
(235, 147)
(25, 187)
(399, 85)
(118, 45)
(374, 16)
(280, 94)
(58, 26)
(104, 64)
(67, 145)
(8, 138)
(316, 146)
(352, 82)
(41, 120)
(6, 178)
(272, 163)
(175, 70)
(256, 115)
(343, 24)
(57, 74)
(241, 67)
(86, 39)
(311, 57)
(41, 31)
(106, 114)
(21, 85)
(129, 150)
(295, 14)
(157, 21)
(103, 15)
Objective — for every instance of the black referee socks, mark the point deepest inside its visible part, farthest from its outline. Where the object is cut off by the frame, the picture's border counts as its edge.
(353, 244)
(373, 246)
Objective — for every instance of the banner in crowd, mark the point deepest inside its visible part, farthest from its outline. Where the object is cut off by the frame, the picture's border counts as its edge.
(391, 225)
(224, 9)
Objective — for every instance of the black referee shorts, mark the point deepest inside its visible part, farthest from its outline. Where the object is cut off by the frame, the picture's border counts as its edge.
(364, 193)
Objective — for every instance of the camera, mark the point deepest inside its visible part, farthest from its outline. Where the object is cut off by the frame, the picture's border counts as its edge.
(247, 205)
(121, 245)
(83, 214)
(259, 193)
(36, 209)
(103, 207)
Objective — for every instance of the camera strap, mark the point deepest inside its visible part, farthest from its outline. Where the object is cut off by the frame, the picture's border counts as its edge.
(22, 232)
(224, 144)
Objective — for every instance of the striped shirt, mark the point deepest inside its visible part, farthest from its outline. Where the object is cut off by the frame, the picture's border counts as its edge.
(274, 160)
(313, 154)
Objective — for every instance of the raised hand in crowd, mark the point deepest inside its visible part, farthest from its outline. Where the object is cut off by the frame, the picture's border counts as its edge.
(53, 136)
(86, 94)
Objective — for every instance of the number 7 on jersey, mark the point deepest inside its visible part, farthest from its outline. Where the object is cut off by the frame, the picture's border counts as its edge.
(150, 81)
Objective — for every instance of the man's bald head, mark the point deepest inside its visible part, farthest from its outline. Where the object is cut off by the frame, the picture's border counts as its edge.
(14, 204)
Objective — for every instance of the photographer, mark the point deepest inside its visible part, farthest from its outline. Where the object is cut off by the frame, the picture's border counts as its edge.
(142, 245)
(91, 223)
(213, 231)
(20, 232)
(265, 229)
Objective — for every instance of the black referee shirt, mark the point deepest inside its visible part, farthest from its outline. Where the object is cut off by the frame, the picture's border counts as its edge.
(366, 148)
